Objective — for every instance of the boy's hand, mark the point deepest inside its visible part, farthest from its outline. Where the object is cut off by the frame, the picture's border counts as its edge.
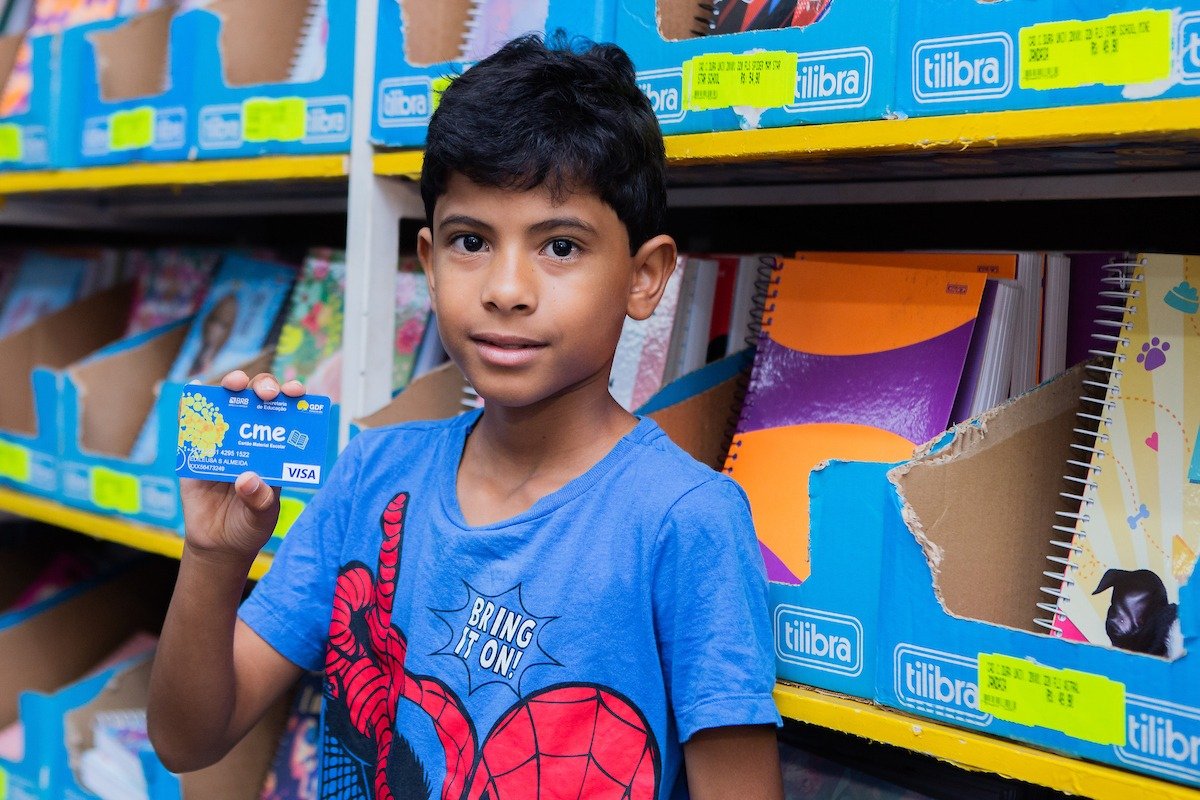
(234, 520)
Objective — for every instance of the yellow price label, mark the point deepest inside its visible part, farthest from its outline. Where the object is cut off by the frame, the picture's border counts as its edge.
(437, 86)
(1134, 47)
(14, 462)
(289, 511)
(10, 142)
(116, 491)
(1080, 704)
(3, 784)
(722, 80)
(132, 129)
(266, 119)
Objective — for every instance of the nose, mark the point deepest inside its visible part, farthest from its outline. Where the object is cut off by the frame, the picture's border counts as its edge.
(510, 283)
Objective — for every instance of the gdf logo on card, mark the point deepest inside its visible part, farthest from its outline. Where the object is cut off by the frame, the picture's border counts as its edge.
(942, 684)
(820, 640)
(405, 102)
(1187, 37)
(975, 67)
(1162, 737)
(664, 88)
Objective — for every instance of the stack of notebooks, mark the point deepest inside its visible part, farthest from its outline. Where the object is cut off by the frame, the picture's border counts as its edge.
(865, 356)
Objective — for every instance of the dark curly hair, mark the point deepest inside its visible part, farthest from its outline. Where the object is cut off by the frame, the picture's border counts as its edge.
(564, 113)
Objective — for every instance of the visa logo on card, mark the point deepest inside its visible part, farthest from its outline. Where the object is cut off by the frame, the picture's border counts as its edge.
(223, 434)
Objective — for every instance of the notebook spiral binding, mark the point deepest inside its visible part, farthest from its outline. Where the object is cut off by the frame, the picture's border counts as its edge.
(1119, 295)
(706, 20)
(761, 311)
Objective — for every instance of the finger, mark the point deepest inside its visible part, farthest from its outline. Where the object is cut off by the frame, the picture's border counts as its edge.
(236, 381)
(254, 492)
(293, 388)
(265, 386)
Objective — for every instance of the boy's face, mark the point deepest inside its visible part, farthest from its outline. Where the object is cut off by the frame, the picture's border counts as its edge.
(531, 295)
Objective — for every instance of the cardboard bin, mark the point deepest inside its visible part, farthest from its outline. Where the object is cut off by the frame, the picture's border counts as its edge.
(126, 86)
(835, 64)
(27, 136)
(421, 45)
(959, 57)
(31, 363)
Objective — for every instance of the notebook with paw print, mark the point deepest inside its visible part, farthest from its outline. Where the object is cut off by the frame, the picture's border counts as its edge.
(1135, 536)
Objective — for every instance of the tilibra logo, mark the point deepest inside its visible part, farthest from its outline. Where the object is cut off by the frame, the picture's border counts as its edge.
(221, 127)
(820, 640)
(942, 684)
(664, 88)
(1162, 737)
(833, 79)
(973, 67)
(405, 102)
(1187, 36)
(327, 119)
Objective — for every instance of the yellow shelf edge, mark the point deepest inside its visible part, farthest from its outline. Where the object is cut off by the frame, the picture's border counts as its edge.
(112, 529)
(241, 170)
(1142, 120)
(399, 163)
(970, 750)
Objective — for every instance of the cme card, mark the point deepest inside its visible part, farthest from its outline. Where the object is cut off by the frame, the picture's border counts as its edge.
(223, 434)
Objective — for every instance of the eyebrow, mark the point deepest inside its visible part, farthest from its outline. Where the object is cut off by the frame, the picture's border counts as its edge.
(556, 223)
(466, 221)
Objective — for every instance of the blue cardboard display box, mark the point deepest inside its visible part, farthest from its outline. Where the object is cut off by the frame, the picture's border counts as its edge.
(32, 361)
(839, 67)
(126, 88)
(966, 535)
(959, 56)
(45, 650)
(422, 44)
(105, 400)
(272, 77)
(27, 137)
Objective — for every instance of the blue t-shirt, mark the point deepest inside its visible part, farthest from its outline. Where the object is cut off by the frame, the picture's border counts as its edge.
(565, 652)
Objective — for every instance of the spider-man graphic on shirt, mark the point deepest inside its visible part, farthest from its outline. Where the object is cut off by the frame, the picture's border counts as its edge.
(568, 740)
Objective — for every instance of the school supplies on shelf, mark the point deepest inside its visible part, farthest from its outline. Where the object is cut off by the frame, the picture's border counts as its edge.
(854, 361)
(1133, 538)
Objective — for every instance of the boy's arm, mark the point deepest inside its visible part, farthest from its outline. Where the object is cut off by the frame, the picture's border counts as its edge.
(213, 677)
(735, 763)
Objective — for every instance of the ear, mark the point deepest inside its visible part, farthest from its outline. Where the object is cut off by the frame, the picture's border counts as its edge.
(425, 254)
(653, 264)
(1109, 580)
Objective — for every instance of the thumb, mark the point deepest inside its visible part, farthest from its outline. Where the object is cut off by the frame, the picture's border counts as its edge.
(259, 505)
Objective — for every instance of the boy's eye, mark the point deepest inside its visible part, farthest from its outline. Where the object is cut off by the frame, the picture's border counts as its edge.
(471, 243)
(562, 248)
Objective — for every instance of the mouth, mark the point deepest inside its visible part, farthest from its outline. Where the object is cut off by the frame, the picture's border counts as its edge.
(505, 349)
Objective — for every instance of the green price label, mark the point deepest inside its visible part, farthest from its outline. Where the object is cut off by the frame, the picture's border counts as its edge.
(131, 130)
(723, 80)
(1080, 704)
(10, 142)
(289, 510)
(266, 119)
(1121, 49)
(116, 491)
(3, 784)
(14, 462)
(437, 86)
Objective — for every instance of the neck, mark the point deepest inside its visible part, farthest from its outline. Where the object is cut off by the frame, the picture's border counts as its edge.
(574, 423)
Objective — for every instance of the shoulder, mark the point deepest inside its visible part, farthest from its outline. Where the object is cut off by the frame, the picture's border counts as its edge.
(681, 482)
(405, 437)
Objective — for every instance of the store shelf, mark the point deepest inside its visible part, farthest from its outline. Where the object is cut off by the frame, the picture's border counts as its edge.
(1139, 137)
(112, 529)
(970, 750)
(189, 173)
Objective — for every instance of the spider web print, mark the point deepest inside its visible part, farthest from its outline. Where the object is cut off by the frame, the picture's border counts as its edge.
(343, 777)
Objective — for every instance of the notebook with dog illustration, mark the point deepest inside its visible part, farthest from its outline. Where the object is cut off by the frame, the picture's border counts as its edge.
(1134, 538)
(855, 362)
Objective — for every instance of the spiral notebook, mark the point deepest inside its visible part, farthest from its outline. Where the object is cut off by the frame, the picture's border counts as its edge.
(1134, 538)
(853, 362)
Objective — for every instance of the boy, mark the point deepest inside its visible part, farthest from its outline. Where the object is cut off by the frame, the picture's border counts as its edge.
(543, 599)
